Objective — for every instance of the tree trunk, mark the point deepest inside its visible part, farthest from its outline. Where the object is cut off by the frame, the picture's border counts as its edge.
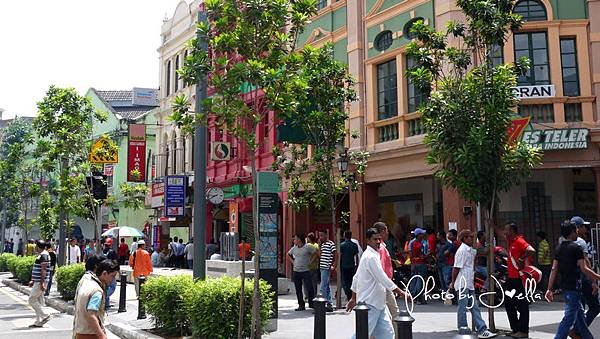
(242, 295)
(489, 228)
(255, 330)
(3, 236)
(62, 228)
(338, 274)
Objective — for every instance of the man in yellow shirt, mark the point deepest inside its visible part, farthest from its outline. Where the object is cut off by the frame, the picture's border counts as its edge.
(315, 272)
(544, 259)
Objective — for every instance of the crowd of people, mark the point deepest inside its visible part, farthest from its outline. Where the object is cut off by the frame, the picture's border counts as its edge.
(458, 263)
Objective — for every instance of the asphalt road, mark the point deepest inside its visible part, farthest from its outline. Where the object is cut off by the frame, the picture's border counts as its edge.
(16, 316)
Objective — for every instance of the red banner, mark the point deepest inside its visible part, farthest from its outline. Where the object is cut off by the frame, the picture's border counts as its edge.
(516, 128)
(136, 153)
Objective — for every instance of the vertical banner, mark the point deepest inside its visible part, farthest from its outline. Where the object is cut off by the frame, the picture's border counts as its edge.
(136, 153)
(175, 196)
(233, 217)
(268, 209)
(156, 234)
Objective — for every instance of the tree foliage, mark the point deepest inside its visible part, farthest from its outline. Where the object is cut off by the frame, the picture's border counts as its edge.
(471, 102)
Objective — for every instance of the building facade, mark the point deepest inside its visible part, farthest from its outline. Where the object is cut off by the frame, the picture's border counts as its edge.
(123, 111)
(562, 40)
(175, 150)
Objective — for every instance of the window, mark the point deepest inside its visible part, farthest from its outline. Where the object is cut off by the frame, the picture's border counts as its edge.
(168, 79)
(531, 10)
(387, 90)
(570, 74)
(415, 97)
(573, 112)
(383, 40)
(176, 74)
(497, 55)
(538, 113)
(535, 47)
(407, 26)
(321, 4)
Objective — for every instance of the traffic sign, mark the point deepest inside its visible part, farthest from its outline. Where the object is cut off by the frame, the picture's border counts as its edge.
(104, 151)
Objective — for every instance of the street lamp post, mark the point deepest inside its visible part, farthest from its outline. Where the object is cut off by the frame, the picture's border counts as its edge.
(199, 269)
(342, 165)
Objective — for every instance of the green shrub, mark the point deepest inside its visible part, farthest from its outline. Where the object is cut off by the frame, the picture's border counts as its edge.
(3, 261)
(67, 278)
(213, 307)
(164, 299)
(23, 269)
(11, 264)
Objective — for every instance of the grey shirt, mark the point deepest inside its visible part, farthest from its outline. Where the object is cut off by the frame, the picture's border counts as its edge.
(302, 256)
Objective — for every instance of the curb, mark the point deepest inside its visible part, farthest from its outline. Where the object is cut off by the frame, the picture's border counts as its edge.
(129, 332)
(58, 304)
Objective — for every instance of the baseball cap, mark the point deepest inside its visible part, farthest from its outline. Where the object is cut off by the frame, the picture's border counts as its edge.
(578, 221)
(141, 242)
(108, 241)
(419, 231)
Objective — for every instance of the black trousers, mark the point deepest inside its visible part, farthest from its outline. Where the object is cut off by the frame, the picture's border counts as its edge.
(590, 300)
(520, 322)
(303, 278)
(347, 275)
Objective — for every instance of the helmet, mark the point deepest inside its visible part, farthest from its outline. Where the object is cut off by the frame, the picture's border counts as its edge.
(108, 241)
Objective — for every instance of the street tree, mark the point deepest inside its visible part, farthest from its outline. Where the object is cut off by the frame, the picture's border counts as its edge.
(64, 127)
(311, 168)
(252, 52)
(470, 106)
(16, 137)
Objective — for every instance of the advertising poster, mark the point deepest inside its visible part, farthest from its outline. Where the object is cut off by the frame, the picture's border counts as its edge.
(175, 196)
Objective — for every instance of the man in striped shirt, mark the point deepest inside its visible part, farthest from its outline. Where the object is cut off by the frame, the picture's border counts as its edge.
(39, 281)
(327, 260)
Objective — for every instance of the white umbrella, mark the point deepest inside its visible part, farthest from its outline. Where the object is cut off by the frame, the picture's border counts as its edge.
(123, 231)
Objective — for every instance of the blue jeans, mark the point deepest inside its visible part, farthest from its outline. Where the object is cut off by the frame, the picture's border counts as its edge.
(380, 324)
(110, 289)
(325, 290)
(468, 300)
(417, 284)
(190, 263)
(445, 276)
(574, 317)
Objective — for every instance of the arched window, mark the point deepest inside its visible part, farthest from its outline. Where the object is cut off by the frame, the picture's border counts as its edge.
(168, 79)
(383, 40)
(531, 10)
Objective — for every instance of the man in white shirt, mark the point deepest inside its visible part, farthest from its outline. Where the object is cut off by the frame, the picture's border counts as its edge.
(463, 275)
(370, 284)
(74, 252)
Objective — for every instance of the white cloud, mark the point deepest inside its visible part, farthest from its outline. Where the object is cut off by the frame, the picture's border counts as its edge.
(106, 44)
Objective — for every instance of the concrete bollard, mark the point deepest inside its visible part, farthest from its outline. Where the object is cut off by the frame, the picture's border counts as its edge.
(404, 325)
(319, 330)
(141, 307)
(362, 320)
(123, 294)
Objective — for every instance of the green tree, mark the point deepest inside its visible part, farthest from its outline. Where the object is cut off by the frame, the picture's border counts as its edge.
(313, 177)
(16, 137)
(251, 66)
(470, 106)
(64, 128)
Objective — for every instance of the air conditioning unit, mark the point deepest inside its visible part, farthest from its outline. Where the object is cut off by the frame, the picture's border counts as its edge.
(220, 151)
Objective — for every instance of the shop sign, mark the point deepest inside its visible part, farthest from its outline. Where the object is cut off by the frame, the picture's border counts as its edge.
(158, 194)
(136, 156)
(557, 139)
(109, 170)
(175, 196)
(538, 91)
(233, 216)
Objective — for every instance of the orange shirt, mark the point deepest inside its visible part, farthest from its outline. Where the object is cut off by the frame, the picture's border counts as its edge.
(244, 254)
(142, 265)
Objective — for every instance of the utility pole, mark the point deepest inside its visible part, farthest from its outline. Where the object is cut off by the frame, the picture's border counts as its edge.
(200, 167)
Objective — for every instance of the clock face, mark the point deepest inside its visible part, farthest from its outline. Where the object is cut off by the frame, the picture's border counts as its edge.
(215, 195)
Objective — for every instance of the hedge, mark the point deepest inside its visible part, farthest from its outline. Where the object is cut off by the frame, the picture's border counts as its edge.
(204, 309)
(67, 278)
(11, 264)
(23, 269)
(3, 261)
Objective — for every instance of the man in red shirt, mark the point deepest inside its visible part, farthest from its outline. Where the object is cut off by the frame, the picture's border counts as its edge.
(519, 253)
(123, 252)
(386, 263)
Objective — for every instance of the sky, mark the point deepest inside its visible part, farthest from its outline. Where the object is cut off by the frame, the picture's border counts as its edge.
(105, 44)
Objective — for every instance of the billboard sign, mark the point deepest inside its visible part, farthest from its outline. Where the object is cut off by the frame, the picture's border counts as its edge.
(136, 156)
(145, 96)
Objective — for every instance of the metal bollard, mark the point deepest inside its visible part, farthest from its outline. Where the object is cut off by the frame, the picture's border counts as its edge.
(141, 308)
(404, 325)
(123, 293)
(319, 304)
(362, 320)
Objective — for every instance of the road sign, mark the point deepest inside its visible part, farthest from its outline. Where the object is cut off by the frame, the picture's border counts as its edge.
(104, 151)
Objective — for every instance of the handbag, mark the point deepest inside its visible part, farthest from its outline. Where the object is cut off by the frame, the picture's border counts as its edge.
(528, 272)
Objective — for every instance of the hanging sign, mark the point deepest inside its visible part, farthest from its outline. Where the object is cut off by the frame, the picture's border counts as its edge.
(136, 156)
(175, 196)
(104, 151)
(557, 139)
